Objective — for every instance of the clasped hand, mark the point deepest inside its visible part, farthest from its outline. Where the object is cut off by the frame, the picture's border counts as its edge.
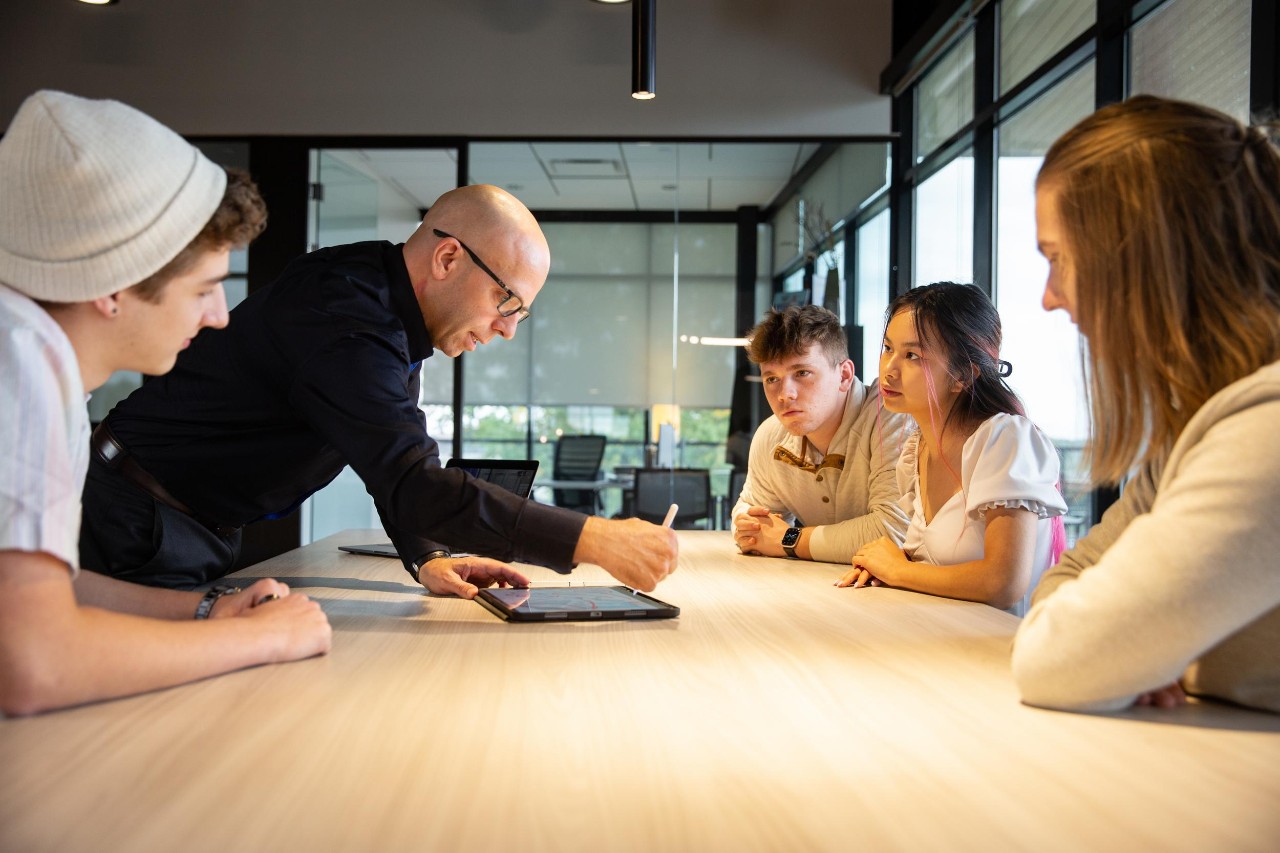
(759, 532)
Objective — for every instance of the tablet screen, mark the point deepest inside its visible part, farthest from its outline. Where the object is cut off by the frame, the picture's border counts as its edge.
(573, 602)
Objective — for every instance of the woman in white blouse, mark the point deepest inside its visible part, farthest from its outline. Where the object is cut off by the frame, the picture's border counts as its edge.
(978, 479)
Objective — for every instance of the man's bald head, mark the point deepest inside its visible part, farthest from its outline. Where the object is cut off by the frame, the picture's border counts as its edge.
(495, 224)
(458, 297)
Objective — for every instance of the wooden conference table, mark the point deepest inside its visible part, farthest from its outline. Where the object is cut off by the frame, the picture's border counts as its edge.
(777, 713)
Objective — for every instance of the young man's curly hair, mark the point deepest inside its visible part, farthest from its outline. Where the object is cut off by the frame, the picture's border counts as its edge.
(238, 220)
(791, 331)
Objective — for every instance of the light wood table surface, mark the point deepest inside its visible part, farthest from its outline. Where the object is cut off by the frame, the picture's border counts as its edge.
(777, 713)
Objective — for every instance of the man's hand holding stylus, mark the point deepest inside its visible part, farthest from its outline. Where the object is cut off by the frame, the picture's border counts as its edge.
(637, 553)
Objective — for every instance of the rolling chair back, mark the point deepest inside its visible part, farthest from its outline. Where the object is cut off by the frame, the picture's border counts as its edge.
(578, 457)
(690, 488)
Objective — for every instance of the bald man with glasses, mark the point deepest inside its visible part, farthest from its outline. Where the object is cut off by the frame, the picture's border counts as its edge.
(321, 370)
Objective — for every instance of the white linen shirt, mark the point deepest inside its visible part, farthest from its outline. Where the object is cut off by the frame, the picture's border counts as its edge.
(849, 496)
(44, 429)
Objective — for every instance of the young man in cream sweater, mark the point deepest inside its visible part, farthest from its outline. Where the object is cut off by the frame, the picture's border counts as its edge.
(821, 478)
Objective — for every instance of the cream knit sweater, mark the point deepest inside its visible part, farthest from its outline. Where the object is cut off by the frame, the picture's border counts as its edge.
(848, 506)
(1180, 579)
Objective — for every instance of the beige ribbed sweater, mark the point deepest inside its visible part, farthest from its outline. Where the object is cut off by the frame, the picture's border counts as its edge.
(847, 507)
(1180, 580)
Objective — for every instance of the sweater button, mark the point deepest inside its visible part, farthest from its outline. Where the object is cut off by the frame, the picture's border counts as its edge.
(826, 500)
(819, 478)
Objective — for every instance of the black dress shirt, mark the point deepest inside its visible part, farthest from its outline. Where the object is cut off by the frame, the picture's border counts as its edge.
(318, 371)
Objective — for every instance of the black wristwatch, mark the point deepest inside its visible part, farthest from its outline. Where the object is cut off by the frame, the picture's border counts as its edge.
(789, 541)
(415, 568)
(205, 607)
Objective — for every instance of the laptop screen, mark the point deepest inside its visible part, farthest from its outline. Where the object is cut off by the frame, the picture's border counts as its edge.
(514, 475)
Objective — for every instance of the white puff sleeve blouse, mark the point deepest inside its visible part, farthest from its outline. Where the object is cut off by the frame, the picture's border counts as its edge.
(1007, 462)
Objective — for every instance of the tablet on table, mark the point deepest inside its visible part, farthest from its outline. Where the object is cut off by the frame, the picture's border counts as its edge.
(543, 604)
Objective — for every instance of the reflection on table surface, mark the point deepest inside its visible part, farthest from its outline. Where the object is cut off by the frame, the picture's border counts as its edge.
(777, 713)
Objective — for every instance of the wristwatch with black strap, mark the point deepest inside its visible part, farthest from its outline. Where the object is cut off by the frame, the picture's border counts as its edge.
(205, 607)
(790, 540)
(415, 568)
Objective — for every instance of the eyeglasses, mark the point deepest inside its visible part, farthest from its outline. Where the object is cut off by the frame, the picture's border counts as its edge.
(512, 304)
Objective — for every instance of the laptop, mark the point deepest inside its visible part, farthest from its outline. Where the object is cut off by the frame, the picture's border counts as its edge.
(514, 475)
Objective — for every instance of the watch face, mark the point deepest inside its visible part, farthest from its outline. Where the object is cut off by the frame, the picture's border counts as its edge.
(791, 537)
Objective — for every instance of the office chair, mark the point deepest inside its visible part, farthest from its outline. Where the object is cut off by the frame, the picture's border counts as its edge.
(628, 507)
(657, 488)
(737, 479)
(578, 458)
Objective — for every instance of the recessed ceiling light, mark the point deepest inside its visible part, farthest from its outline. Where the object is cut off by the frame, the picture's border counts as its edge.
(99, 2)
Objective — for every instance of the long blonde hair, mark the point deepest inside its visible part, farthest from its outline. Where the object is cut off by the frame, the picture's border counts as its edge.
(1170, 216)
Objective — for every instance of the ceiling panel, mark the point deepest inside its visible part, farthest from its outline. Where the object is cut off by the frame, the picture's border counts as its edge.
(547, 151)
(660, 194)
(601, 175)
(593, 194)
(654, 160)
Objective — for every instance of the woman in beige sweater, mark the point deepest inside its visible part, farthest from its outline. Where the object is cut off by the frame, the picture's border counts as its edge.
(1161, 223)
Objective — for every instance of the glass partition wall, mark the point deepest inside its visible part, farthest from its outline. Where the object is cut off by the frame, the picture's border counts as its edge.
(372, 194)
(636, 335)
(614, 348)
(830, 244)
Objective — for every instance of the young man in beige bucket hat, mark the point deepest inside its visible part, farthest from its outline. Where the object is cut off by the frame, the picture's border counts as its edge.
(114, 240)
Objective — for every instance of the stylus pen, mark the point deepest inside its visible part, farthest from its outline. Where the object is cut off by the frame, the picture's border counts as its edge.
(666, 522)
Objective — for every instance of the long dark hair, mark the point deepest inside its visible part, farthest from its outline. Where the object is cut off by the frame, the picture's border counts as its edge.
(958, 322)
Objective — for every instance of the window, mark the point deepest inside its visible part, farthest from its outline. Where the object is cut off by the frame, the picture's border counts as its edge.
(794, 283)
(828, 279)
(944, 224)
(1032, 31)
(1043, 348)
(1196, 51)
(945, 98)
(873, 292)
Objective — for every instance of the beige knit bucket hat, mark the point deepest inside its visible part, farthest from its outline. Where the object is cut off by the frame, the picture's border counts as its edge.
(96, 196)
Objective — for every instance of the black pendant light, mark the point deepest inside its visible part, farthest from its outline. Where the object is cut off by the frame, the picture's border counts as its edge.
(643, 49)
